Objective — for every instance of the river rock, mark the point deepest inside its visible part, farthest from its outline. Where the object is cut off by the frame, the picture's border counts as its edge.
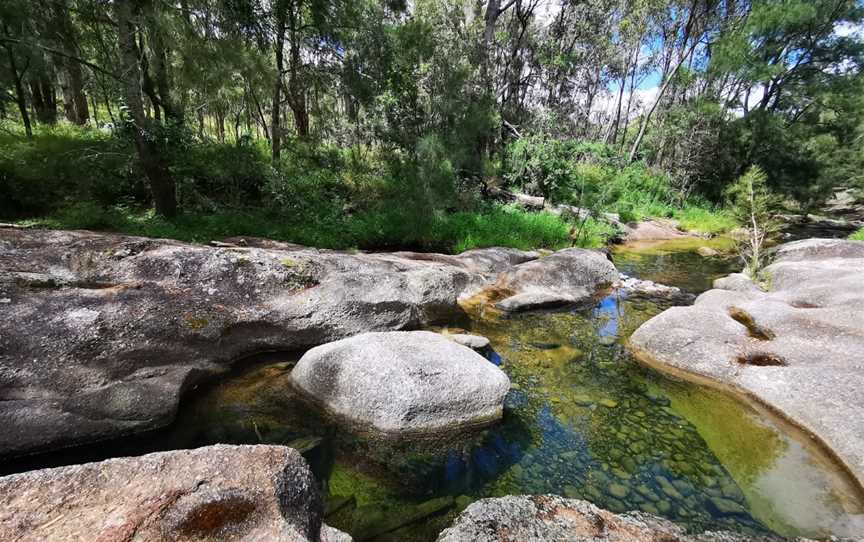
(101, 334)
(796, 346)
(565, 277)
(214, 493)
(651, 289)
(541, 518)
(474, 342)
(652, 230)
(403, 382)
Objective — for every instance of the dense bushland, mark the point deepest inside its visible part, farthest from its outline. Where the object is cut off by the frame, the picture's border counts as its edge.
(387, 124)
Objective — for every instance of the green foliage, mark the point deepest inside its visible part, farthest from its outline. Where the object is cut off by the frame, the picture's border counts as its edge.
(753, 205)
(543, 166)
(61, 164)
(858, 235)
(390, 226)
(589, 175)
(705, 220)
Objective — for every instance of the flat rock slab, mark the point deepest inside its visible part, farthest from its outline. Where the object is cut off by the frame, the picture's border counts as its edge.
(216, 493)
(100, 334)
(542, 518)
(403, 382)
(798, 347)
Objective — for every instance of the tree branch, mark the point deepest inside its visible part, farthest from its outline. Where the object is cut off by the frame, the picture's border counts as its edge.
(57, 52)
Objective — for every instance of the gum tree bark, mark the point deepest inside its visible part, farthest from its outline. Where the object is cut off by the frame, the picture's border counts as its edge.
(161, 183)
(20, 97)
(276, 121)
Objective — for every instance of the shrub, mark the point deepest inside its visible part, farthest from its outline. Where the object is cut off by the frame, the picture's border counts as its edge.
(753, 205)
(858, 235)
(61, 165)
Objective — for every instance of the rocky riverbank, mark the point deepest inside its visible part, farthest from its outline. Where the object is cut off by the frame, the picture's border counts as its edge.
(224, 493)
(101, 334)
(794, 344)
(542, 518)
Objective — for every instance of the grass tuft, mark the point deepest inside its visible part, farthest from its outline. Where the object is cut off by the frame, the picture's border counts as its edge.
(705, 220)
(382, 228)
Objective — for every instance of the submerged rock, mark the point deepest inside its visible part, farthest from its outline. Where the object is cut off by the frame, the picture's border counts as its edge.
(652, 290)
(474, 342)
(403, 382)
(213, 493)
(796, 346)
(540, 518)
(530, 301)
(100, 334)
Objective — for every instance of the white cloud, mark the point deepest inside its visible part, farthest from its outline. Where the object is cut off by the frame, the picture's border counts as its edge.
(607, 102)
(846, 29)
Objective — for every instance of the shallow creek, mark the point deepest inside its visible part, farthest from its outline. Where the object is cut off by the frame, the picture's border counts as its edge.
(583, 420)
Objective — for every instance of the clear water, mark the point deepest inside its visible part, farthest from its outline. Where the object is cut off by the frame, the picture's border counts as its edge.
(583, 420)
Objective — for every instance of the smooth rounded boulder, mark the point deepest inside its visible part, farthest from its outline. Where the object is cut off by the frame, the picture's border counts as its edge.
(403, 382)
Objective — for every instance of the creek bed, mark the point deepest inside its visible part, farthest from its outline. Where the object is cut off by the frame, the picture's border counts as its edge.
(583, 420)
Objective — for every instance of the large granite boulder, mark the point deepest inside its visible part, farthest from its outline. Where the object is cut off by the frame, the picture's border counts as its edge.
(217, 493)
(566, 277)
(403, 382)
(797, 346)
(101, 334)
(541, 518)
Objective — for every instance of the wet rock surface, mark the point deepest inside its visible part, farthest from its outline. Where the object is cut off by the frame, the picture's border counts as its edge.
(566, 277)
(403, 382)
(549, 517)
(796, 346)
(474, 342)
(100, 334)
(652, 290)
(216, 493)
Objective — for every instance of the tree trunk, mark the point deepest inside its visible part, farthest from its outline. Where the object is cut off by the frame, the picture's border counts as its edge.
(20, 97)
(275, 120)
(95, 110)
(44, 99)
(613, 132)
(161, 182)
(296, 87)
(200, 113)
(172, 109)
(220, 125)
(634, 67)
(74, 98)
(644, 124)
